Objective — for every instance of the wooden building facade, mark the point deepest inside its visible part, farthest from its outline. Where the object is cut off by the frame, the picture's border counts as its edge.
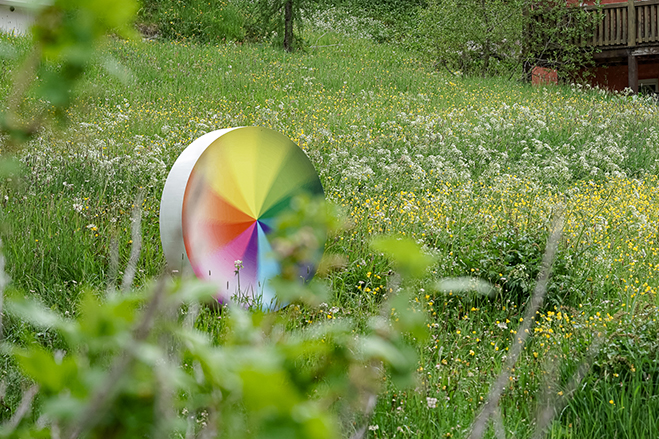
(627, 43)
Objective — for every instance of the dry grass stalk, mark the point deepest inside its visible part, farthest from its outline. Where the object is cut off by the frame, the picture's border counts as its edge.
(136, 236)
(491, 405)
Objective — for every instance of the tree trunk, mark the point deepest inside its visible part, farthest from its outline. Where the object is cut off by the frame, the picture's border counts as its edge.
(527, 68)
(487, 46)
(288, 26)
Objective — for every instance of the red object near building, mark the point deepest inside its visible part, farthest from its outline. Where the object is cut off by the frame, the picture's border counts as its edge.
(543, 76)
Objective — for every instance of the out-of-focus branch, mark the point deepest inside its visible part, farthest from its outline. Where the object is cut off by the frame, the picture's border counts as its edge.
(23, 408)
(136, 236)
(480, 424)
(546, 415)
(3, 283)
(106, 391)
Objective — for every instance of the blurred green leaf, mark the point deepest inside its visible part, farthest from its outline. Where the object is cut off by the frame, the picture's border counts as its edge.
(193, 291)
(408, 319)
(53, 376)
(407, 256)
(115, 68)
(267, 392)
(312, 294)
(465, 285)
(102, 320)
(33, 312)
(64, 406)
(373, 347)
(403, 375)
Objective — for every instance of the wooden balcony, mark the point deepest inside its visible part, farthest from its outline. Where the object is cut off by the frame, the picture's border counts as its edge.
(623, 34)
(626, 32)
(631, 24)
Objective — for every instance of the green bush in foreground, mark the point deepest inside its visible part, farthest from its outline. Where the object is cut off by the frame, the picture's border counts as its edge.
(132, 364)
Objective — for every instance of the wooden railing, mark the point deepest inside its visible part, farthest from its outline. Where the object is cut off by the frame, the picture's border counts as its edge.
(646, 21)
(641, 17)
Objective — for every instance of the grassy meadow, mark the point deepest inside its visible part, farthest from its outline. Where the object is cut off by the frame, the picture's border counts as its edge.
(472, 168)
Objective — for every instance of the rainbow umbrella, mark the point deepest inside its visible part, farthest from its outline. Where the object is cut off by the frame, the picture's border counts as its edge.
(222, 200)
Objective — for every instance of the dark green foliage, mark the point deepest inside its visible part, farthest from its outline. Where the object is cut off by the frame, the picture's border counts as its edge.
(492, 37)
(485, 37)
(205, 21)
(553, 35)
(391, 12)
(509, 258)
(265, 20)
(473, 36)
(223, 20)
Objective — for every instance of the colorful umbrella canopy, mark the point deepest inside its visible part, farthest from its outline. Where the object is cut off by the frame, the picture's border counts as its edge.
(227, 190)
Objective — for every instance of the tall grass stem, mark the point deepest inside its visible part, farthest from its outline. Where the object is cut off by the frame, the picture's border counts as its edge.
(480, 424)
(136, 236)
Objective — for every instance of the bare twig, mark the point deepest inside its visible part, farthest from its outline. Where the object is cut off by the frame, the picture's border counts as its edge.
(480, 424)
(3, 283)
(497, 421)
(163, 410)
(114, 264)
(107, 389)
(54, 431)
(318, 39)
(23, 408)
(370, 396)
(210, 430)
(189, 432)
(371, 401)
(136, 236)
(550, 385)
(443, 64)
(191, 316)
(546, 415)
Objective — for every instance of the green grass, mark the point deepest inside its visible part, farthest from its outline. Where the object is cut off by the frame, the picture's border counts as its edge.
(470, 167)
(200, 20)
